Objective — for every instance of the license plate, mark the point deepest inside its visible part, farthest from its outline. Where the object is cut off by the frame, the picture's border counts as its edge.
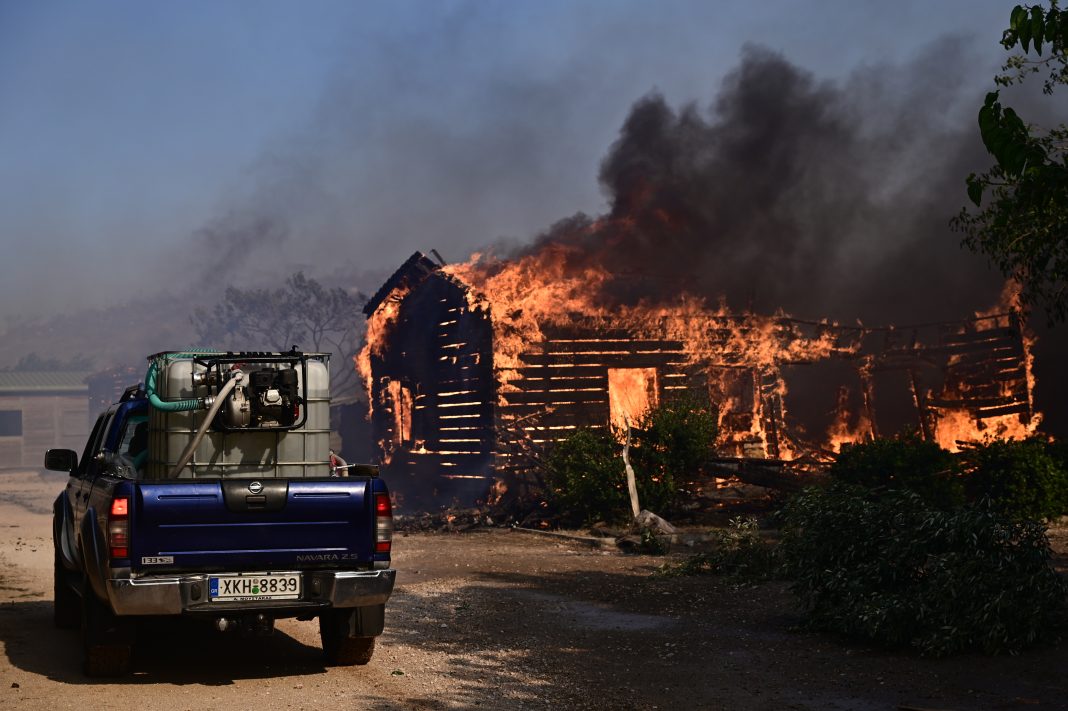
(255, 586)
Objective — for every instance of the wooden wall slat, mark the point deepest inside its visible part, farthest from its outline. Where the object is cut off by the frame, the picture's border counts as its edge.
(650, 360)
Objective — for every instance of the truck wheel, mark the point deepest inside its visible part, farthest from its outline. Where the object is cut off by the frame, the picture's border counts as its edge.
(66, 605)
(339, 649)
(106, 640)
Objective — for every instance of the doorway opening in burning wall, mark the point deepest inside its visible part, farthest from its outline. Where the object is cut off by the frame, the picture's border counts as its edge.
(400, 400)
(631, 393)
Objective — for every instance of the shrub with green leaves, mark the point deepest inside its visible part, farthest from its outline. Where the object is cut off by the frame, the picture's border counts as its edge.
(1026, 479)
(740, 552)
(585, 474)
(884, 565)
(585, 477)
(671, 442)
(905, 462)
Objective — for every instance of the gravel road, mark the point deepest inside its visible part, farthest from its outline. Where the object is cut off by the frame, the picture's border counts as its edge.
(497, 620)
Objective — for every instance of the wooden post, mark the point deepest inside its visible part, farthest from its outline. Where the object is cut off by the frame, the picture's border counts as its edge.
(917, 399)
(868, 391)
(632, 485)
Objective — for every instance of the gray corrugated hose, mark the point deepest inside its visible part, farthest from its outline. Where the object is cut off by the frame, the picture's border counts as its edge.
(187, 454)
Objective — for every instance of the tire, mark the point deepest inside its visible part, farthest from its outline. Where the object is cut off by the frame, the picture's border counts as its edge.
(339, 649)
(107, 641)
(66, 605)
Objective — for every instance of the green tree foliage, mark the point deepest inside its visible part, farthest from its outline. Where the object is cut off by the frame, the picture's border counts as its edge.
(1023, 479)
(1022, 219)
(671, 442)
(905, 462)
(585, 475)
(883, 565)
(300, 312)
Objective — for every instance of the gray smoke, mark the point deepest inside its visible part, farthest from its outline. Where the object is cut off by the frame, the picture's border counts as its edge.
(784, 191)
(820, 198)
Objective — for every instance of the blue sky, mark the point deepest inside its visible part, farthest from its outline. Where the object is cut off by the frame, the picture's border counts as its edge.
(129, 130)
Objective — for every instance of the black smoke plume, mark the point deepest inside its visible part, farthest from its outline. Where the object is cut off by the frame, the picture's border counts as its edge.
(820, 198)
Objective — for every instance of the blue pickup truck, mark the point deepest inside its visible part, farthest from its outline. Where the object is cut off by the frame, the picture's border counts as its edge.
(211, 493)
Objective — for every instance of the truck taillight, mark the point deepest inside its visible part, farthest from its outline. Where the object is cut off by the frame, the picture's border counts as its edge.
(119, 528)
(383, 523)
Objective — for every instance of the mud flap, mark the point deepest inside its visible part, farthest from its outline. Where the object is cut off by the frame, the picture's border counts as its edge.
(107, 640)
(348, 635)
(368, 621)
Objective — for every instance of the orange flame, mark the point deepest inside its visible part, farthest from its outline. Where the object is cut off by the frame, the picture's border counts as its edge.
(379, 325)
(740, 356)
(954, 427)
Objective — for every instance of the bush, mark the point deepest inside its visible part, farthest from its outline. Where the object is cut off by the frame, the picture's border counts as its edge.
(585, 474)
(1025, 479)
(905, 462)
(740, 553)
(670, 443)
(585, 477)
(882, 565)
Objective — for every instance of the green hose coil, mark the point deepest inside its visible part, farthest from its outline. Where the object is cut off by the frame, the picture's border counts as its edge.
(168, 405)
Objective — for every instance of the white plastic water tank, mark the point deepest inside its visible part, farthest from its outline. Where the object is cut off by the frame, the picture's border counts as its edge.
(295, 453)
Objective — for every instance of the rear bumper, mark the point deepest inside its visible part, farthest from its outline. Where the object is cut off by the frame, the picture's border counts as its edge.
(188, 594)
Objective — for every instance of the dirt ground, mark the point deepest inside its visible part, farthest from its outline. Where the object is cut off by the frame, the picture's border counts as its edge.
(497, 619)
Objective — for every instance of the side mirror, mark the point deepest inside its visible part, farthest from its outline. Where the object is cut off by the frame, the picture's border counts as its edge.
(61, 460)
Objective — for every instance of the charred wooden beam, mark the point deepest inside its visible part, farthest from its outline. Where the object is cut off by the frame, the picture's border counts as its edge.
(1022, 408)
(919, 401)
(967, 402)
(559, 383)
(639, 360)
(990, 334)
(622, 346)
(978, 351)
(578, 417)
(769, 473)
(557, 397)
(991, 391)
(569, 370)
(988, 366)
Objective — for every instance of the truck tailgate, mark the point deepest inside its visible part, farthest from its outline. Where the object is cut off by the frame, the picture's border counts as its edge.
(246, 524)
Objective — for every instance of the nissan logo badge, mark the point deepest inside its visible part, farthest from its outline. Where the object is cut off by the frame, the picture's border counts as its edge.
(255, 487)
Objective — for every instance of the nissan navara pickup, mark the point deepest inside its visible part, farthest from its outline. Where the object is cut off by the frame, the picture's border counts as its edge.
(210, 493)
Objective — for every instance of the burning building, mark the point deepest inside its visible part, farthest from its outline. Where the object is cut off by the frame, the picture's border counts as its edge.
(470, 368)
(784, 192)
